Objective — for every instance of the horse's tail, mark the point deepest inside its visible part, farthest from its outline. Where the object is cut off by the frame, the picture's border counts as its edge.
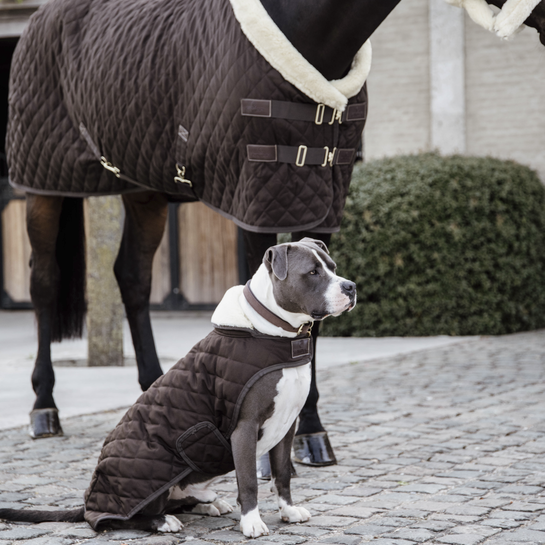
(30, 515)
(68, 319)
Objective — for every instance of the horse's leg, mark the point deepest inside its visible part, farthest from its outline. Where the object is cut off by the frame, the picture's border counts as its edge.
(311, 444)
(145, 217)
(43, 214)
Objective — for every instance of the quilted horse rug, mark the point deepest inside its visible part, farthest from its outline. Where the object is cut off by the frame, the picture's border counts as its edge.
(199, 100)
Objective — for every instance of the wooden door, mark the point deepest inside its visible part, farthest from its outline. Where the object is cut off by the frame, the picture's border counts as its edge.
(207, 253)
(15, 254)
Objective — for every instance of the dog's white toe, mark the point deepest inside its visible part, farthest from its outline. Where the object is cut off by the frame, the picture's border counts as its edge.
(171, 524)
(293, 513)
(214, 509)
(222, 506)
(251, 524)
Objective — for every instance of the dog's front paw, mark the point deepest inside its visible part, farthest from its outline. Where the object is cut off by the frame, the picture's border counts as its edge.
(171, 524)
(251, 524)
(214, 509)
(293, 513)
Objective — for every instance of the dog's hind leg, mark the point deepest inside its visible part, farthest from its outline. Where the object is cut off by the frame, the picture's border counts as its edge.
(145, 218)
(281, 477)
(147, 523)
(198, 499)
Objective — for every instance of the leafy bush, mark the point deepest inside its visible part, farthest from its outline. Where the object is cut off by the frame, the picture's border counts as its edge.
(442, 245)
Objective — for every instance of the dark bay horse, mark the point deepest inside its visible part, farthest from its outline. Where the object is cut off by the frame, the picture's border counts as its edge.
(328, 33)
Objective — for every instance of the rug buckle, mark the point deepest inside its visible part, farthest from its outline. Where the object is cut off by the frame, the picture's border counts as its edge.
(331, 156)
(319, 117)
(109, 166)
(301, 155)
(181, 179)
(337, 115)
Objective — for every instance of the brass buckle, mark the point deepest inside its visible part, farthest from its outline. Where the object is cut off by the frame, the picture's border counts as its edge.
(336, 116)
(326, 156)
(180, 179)
(331, 157)
(108, 166)
(319, 117)
(302, 327)
(301, 156)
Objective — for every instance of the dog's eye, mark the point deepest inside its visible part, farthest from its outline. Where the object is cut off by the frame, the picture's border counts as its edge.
(313, 272)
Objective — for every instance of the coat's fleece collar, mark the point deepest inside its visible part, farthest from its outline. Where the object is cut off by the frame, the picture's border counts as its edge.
(229, 313)
(277, 50)
(508, 21)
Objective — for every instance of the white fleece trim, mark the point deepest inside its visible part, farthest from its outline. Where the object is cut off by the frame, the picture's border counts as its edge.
(512, 16)
(229, 313)
(278, 51)
(509, 20)
(478, 10)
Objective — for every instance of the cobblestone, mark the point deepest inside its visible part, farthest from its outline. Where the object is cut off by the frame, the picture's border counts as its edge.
(443, 446)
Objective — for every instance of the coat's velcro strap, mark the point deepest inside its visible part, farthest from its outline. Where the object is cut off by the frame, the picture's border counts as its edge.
(298, 111)
(300, 155)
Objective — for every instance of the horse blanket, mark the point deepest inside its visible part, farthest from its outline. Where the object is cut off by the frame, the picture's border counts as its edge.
(201, 100)
(183, 423)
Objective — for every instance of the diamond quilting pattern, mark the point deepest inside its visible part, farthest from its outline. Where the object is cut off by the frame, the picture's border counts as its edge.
(132, 72)
(182, 423)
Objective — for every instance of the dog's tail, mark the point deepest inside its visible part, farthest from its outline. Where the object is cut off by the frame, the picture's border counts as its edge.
(30, 515)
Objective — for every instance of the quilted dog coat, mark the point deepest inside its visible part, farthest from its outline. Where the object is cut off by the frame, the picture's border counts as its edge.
(183, 423)
(190, 98)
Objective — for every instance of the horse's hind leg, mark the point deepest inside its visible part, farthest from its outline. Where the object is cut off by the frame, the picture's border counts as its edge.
(145, 218)
(43, 214)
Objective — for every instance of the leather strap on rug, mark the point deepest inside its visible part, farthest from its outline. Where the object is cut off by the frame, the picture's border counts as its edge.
(300, 155)
(271, 317)
(297, 111)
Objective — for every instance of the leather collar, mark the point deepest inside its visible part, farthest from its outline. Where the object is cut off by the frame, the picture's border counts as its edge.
(271, 317)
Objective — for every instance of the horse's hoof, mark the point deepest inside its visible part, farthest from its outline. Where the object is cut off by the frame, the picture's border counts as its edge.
(313, 449)
(45, 423)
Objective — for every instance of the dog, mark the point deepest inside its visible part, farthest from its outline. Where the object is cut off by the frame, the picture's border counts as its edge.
(234, 397)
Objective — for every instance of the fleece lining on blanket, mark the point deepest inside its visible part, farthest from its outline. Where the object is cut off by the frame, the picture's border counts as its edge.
(506, 23)
(110, 96)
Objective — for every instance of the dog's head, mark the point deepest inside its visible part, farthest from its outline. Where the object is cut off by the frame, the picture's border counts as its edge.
(304, 280)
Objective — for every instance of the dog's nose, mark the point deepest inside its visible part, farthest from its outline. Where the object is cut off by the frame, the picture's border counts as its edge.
(348, 288)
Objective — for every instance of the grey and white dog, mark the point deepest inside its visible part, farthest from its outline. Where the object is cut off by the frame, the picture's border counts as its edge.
(295, 285)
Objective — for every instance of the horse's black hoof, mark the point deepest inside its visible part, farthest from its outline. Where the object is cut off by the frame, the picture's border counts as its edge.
(313, 449)
(45, 423)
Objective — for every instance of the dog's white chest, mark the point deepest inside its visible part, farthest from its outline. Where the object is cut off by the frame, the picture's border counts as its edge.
(292, 392)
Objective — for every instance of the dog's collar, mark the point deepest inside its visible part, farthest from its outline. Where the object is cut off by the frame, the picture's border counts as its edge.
(271, 317)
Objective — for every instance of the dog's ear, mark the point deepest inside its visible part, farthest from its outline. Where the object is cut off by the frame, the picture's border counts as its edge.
(312, 241)
(276, 260)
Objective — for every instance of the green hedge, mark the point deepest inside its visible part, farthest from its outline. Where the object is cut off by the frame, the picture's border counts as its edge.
(442, 245)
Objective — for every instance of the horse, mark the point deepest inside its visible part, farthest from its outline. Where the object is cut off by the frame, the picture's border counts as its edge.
(328, 34)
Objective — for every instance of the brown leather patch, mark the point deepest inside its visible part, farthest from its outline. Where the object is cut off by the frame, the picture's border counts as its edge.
(255, 107)
(300, 348)
(344, 156)
(356, 112)
(261, 153)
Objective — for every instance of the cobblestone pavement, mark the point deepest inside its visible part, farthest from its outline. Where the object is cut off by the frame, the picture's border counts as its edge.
(444, 446)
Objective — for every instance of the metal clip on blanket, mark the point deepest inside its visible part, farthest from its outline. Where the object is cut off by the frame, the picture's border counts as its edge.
(180, 179)
(109, 166)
